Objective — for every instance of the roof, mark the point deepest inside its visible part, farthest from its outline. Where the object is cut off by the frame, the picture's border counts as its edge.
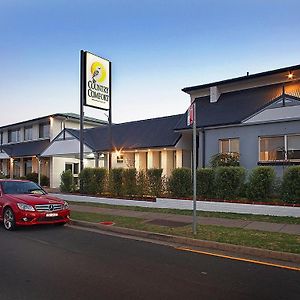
(234, 107)
(242, 78)
(63, 115)
(26, 149)
(150, 133)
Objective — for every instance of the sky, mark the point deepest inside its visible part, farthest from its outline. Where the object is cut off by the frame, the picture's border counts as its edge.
(156, 49)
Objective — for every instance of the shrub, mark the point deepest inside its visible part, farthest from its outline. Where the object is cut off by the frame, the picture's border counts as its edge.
(67, 181)
(228, 181)
(45, 181)
(115, 181)
(141, 184)
(180, 182)
(92, 180)
(87, 181)
(100, 175)
(291, 185)
(225, 160)
(33, 177)
(261, 180)
(205, 182)
(129, 181)
(155, 181)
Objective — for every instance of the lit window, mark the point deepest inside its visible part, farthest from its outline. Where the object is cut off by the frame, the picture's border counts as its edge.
(293, 147)
(272, 148)
(285, 147)
(120, 159)
(229, 145)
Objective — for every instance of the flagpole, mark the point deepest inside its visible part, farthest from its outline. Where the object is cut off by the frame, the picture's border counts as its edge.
(194, 171)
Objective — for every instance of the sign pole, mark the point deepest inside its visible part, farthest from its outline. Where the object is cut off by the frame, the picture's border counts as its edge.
(194, 171)
(109, 123)
(82, 95)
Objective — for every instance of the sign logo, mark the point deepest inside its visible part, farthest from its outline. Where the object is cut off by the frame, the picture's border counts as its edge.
(98, 72)
(97, 81)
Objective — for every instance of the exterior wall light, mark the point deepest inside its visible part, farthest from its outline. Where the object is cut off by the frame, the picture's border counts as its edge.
(290, 75)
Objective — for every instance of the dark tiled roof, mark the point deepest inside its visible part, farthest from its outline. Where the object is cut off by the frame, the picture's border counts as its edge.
(234, 107)
(149, 133)
(26, 149)
(242, 78)
(45, 118)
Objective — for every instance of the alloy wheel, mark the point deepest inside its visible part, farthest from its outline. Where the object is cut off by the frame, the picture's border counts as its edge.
(9, 219)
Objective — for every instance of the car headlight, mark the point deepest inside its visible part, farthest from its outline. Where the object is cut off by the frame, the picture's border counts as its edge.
(66, 205)
(24, 206)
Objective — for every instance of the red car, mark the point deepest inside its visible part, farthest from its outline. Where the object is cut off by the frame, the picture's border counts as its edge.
(23, 202)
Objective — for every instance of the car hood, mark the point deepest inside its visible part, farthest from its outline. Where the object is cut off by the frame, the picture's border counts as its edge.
(33, 199)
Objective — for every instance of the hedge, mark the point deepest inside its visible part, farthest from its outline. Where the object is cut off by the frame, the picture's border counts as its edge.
(116, 182)
(225, 160)
(228, 181)
(67, 181)
(154, 181)
(260, 183)
(45, 181)
(180, 182)
(291, 185)
(205, 182)
(129, 182)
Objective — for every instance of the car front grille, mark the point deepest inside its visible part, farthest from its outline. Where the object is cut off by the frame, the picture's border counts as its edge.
(48, 207)
(49, 219)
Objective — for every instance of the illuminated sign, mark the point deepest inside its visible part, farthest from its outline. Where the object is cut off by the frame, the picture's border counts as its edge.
(97, 82)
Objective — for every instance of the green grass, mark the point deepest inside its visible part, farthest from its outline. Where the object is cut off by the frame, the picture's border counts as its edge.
(237, 236)
(245, 217)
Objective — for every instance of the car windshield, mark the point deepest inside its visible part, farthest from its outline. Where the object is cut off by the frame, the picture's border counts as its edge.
(22, 187)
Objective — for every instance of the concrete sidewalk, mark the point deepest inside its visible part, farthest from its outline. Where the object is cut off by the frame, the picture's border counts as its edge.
(182, 220)
(272, 210)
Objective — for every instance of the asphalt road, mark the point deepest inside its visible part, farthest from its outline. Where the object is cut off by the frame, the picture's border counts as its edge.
(66, 263)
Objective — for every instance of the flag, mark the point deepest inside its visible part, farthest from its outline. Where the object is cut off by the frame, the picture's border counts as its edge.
(190, 114)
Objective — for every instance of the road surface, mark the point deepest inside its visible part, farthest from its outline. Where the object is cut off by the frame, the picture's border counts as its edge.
(67, 263)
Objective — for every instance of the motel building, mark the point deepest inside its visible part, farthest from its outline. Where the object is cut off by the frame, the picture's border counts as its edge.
(256, 116)
(22, 143)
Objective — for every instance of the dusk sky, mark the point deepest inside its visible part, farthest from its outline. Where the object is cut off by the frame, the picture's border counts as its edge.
(156, 48)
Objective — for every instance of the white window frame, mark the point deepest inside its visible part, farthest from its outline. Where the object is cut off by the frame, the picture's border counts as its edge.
(229, 144)
(285, 137)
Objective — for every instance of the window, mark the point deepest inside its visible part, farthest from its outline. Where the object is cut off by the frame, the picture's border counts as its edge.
(44, 130)
(174, 159)
(271, 148)
(69, 167)
(73, 167)
(285, 147)
(28, 133)
(229, 145)
(14, 136)
(120, 159)
(16, 168)
(76, 168)
(293, 147)
(27, 166)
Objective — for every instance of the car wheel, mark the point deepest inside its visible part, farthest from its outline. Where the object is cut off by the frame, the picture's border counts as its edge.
(9, 219)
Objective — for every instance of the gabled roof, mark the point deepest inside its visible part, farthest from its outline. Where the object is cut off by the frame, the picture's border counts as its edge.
(234, 107)
(26, 149)
(242, 78)
(151, 133)
(62, 115)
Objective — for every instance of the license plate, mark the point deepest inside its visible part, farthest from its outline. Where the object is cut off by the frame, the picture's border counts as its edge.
(52, 215)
